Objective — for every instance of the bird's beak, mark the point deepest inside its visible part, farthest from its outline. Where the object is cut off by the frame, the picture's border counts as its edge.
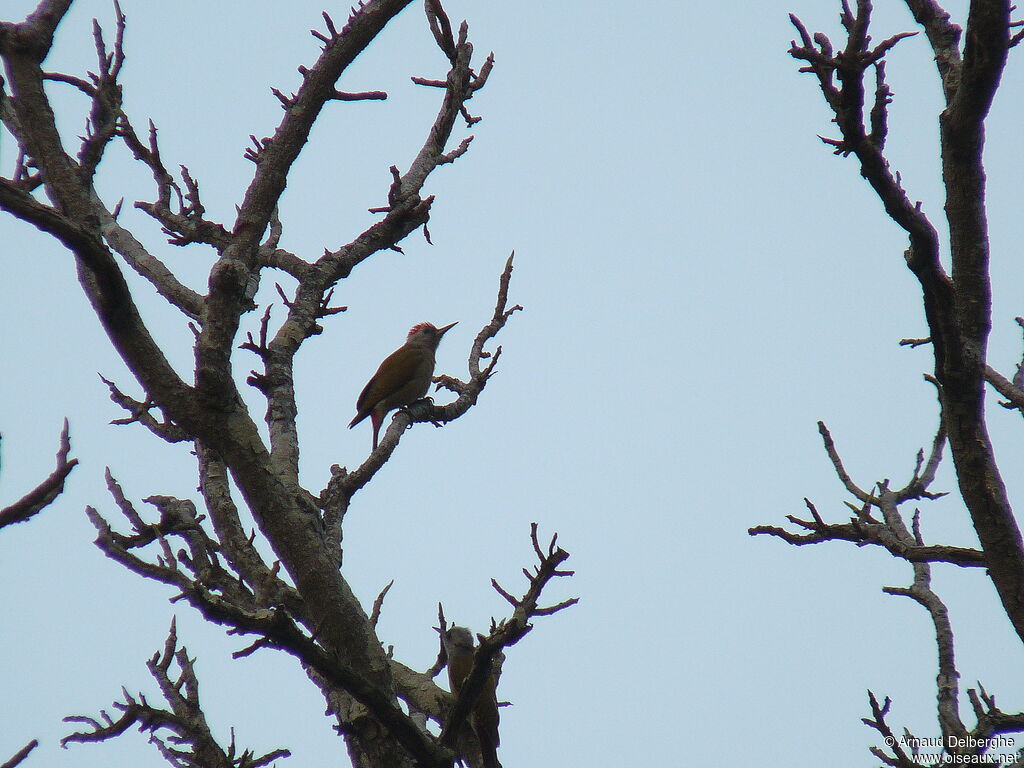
(443, 331)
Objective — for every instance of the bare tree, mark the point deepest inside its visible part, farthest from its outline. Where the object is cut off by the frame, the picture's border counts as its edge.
(958, 312)
(300, 603)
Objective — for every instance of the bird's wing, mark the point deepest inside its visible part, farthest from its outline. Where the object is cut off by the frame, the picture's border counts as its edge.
(401, 366)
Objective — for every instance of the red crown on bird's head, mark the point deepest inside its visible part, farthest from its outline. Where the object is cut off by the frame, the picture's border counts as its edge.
(420, 327)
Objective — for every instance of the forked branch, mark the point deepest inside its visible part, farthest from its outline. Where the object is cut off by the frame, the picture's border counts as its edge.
(509, 631)
(957, 305)
(180, 732)
(863, 527)
(336, 497)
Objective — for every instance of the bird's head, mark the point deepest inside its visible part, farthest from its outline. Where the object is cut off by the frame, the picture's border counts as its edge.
(458, 643)
(427, 335)
(459, 637)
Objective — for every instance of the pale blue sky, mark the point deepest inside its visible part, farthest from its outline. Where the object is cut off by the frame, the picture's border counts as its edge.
(702, 281)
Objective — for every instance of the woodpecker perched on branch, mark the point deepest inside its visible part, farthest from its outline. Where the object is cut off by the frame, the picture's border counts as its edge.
(403, 378)
(458, 645)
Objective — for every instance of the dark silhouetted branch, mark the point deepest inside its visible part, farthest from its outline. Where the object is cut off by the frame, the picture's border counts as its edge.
(181, 733)
(509, 631)
(20, 755)
(43, 494)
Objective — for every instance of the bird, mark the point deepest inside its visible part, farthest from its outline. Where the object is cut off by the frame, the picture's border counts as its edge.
(403, 378)
(458, 646)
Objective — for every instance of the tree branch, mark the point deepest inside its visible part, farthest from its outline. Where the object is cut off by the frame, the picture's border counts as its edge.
(957, 308)
(191, 742)
(337, 496)
(319, 620)
(43, 494)
(20, 755)
(509, 631)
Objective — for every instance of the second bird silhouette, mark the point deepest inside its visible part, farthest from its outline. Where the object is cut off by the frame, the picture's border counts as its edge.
(403, 378)
(460, 649)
